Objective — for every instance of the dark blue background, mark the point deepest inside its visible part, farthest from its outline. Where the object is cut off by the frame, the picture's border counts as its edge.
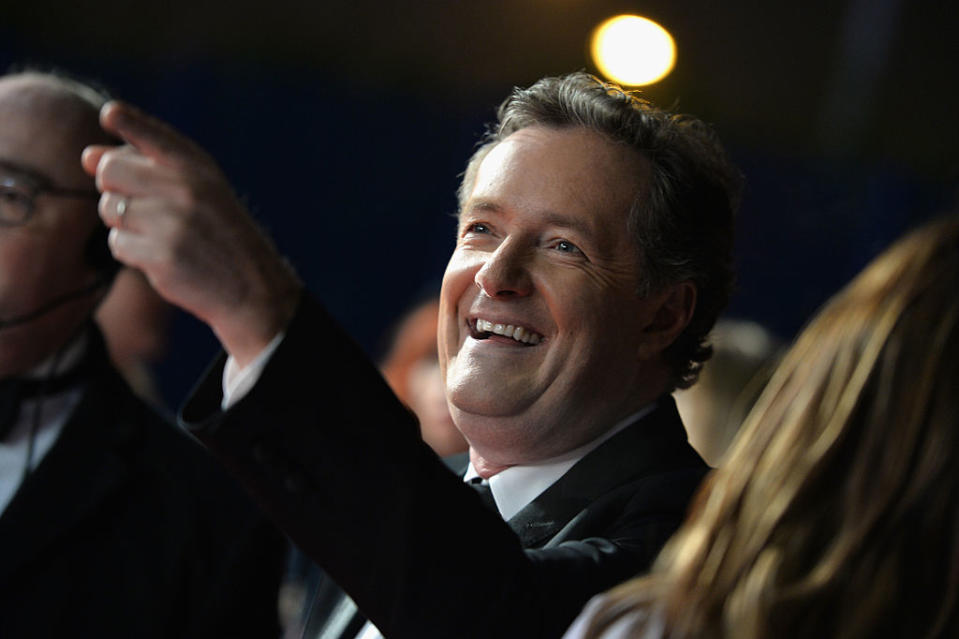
(357, 187)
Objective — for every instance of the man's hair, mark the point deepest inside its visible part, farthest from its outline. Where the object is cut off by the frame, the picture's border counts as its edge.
(682, 221)
(83, 89)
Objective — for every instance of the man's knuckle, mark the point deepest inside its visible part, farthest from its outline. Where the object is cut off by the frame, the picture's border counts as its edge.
(107, 168)
(183, 196)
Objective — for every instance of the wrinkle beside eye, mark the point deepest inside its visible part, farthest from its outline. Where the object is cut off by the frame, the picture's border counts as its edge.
(612, 275)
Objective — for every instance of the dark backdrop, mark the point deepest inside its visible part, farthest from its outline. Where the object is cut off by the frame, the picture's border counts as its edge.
(354, 172)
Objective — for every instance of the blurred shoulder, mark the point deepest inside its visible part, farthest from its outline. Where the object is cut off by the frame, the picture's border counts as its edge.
(635, 624)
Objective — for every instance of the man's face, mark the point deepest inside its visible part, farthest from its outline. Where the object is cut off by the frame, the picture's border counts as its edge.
(44, 257)
(543, 252)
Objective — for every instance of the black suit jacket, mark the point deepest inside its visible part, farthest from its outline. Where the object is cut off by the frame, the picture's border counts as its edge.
(128, 529)
(338, 462)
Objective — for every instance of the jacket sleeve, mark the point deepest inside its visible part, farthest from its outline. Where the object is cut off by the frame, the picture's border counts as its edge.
(338, 463)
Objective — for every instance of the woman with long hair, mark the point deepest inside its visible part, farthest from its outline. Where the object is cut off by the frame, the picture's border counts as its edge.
(836, 513)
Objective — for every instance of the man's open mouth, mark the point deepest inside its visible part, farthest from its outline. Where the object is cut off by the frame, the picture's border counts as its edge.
(483, 329)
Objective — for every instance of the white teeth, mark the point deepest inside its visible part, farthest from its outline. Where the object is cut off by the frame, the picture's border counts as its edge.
(518, 333)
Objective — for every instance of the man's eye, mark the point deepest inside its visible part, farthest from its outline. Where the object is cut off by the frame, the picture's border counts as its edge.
(564, 246)
(13, 196)
(477, 227)
(14, 206)
(14, 202)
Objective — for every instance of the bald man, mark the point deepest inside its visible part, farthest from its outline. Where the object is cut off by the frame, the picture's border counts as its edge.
(112, 522)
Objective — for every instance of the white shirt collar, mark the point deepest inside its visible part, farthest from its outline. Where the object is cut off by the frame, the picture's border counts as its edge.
(514, 488)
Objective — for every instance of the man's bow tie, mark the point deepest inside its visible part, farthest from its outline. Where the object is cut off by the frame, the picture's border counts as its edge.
(15, 390)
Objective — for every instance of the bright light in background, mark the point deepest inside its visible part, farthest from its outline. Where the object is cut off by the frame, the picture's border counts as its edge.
(632, 50)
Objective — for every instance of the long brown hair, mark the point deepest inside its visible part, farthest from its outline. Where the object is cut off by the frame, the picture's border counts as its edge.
(837, 511)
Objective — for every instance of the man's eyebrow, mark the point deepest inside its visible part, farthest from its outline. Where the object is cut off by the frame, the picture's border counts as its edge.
(23, 171)
(577, 224)
(481, 204)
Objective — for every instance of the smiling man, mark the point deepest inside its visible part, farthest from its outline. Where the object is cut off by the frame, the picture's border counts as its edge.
(592, 258)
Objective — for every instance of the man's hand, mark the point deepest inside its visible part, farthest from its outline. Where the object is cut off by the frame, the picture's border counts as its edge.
(174, 216)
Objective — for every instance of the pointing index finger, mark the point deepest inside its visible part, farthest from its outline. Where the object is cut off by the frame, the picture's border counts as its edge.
(147, 134)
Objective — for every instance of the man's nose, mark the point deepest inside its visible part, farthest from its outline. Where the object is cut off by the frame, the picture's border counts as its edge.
(506, 272)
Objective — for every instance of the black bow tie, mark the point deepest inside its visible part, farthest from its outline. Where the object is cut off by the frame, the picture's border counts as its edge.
(15, 390)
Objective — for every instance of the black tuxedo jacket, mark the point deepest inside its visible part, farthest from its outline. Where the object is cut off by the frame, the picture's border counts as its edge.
(339, 464)
(128, 529)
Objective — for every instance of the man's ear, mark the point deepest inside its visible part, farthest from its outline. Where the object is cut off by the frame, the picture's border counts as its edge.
(672, 310)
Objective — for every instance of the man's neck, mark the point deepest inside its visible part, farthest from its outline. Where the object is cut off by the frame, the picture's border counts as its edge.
(486, 469)
(514, 487)
(482, 467)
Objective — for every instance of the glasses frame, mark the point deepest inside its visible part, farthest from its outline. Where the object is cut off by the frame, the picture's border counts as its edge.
(35, 185)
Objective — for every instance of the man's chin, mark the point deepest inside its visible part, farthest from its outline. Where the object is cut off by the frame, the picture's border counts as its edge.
(505, 440)
(483, 404)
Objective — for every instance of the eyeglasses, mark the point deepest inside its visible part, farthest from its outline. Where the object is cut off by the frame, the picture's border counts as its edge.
(17, 198)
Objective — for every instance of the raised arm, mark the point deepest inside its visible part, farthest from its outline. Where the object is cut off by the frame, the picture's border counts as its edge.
(174, 216)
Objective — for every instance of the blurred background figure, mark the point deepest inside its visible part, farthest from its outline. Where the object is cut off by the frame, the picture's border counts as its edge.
(412, 369)
(135, 322)
(744, 356)
(835, 514)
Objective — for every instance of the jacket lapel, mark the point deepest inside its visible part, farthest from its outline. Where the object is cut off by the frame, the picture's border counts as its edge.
(656, 441)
